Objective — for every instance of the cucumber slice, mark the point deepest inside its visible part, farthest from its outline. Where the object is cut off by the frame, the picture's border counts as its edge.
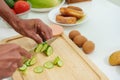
(44, 48)
(33, 61)
(10, 3)
(60, 63)
(49, 51)
(38, 48)
(27, 63)
(23, 68)
(38, 69)
(56, 60)
(48, 65)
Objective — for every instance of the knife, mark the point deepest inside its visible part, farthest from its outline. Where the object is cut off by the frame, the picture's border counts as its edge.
(8, 78)
(51, 40)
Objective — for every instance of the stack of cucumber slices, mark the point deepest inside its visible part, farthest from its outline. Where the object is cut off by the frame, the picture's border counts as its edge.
(44, 48)
(28, 63)
(48, 50)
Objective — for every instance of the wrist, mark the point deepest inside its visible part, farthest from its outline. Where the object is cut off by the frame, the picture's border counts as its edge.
(7, 14)
(14, 21)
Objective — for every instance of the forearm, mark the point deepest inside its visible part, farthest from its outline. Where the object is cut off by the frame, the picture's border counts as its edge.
(7, 14)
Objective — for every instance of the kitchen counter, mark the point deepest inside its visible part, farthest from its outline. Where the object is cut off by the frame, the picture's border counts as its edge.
(102, 27)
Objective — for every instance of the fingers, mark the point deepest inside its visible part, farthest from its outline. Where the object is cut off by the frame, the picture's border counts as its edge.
(48, 33)
(13, 67)
(36, 37)
(44, 31)
(5, 73)
(23, 52)
(41, 34)
(19, 62)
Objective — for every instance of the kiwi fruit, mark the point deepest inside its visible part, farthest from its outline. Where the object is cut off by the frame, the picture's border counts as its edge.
(73, 33)
(88, 47)
(79, 40)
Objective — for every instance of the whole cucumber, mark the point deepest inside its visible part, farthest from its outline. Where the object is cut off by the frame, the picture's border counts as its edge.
(10, 3)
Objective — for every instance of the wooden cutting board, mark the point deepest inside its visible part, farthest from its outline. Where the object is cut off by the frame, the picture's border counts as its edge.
(76, 66)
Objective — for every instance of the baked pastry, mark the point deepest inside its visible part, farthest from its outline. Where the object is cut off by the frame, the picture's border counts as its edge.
(69, 15)
(74, 1)
(75, 8)
(71, 12)
(66, 20)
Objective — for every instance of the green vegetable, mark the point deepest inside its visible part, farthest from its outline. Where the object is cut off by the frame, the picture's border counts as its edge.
(31, 61)
(44, 48)
(23, 68)
(38, 69)
(49, 51)
(38, 48)
(48, 65)
(27, 63)
(44, 3)
(58, 62)
(10, 3)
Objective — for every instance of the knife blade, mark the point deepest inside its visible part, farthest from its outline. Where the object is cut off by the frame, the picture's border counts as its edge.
(8, 78)
(51, 40)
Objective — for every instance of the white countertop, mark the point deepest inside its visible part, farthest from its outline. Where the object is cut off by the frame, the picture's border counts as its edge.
(103, 28)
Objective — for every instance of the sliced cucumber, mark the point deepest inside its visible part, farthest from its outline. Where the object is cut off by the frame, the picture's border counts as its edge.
(44, 48)
(48, 65)
(56, 60)
(33, 61)
(60, 63)
(38, 48)
(38, 69)
(49, 51)
(23, 68)
(27, 63)
(10, 3)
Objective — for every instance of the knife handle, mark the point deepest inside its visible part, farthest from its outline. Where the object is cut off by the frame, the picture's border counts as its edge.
(8, 78)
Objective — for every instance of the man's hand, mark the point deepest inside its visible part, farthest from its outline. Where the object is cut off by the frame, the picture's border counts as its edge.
(34, 28)
(11, 59)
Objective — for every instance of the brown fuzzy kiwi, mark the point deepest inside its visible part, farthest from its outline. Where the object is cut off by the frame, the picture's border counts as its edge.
(79, 40)
(73, 33)
(88, 47)
(114, 58)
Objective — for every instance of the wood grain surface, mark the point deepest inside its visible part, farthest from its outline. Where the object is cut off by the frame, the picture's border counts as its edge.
(76, 66)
